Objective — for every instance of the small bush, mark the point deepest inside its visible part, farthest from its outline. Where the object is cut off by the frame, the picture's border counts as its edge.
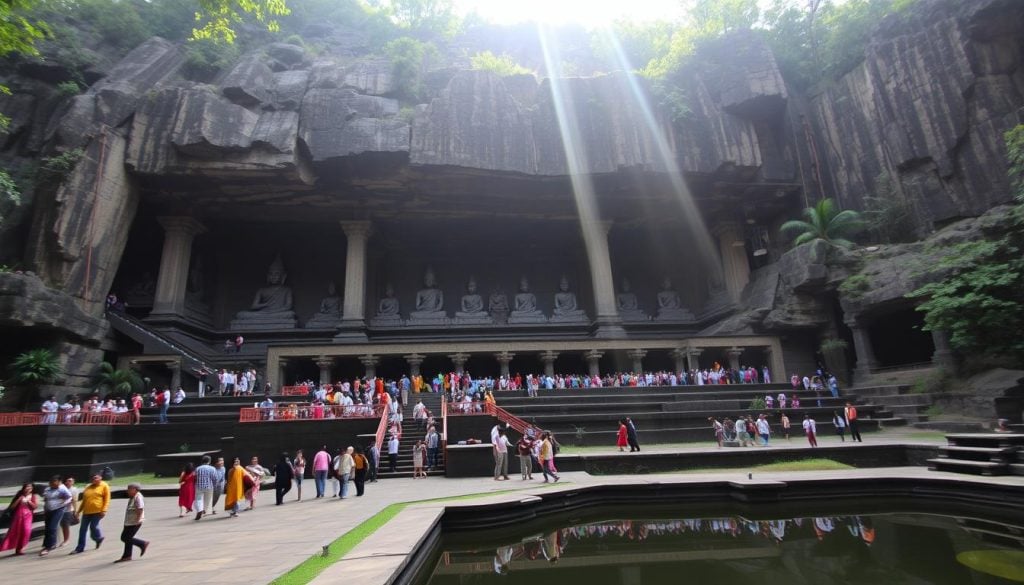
(503, 64)
(57, 168)
(757, 404)
(934, 383)
(408, 60)
(68, 89)
(855, 286)
(204, 59)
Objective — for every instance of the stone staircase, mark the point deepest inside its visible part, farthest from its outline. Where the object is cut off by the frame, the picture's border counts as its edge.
(982, 453)
(412, 432)
(897, 401)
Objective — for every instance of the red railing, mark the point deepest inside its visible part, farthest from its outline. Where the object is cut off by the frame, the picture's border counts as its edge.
(21, 419)
(483, 409)
(444, 422)
(301, 390)
(307, 412)
(511, 421)
(382, 429)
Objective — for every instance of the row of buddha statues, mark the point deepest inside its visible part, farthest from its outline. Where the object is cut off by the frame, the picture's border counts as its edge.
(272, 307)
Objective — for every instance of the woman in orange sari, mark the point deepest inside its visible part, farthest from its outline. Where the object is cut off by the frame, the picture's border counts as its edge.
(234, 489)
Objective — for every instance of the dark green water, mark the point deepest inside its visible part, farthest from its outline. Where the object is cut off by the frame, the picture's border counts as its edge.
(872, 549)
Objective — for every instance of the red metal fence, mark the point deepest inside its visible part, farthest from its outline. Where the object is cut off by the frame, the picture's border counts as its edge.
(301, 390)
(306, 412)
(20, 419)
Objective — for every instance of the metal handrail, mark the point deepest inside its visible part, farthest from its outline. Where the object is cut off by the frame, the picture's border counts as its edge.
(21, 419)
(382, 429)
(138, 325)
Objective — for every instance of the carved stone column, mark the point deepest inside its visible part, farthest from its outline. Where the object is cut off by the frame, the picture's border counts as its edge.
(595, 238)
(179, 232)
(175, 367)
(282, 375)
(414, 360)
(865, 352)
(370, 362)
(637, 357)
(679, 356)
(549, 357)
(504, 359)
(943, 356)
(734, 353)
(692, 358)
(325, 364)
(459, 361)
(735, 267)
(593, 358)
(353, 314)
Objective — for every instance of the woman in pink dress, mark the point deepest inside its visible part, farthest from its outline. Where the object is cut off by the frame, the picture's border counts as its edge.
(186, 489)
(21, 509)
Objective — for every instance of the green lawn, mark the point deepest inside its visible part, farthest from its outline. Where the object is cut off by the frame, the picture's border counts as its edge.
(820, 464)
(314, 565)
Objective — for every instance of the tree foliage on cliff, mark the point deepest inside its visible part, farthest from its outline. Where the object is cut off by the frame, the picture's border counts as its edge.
(218, 18)
(825, 222)
(502, 64)
(980, 303)
(409, 57)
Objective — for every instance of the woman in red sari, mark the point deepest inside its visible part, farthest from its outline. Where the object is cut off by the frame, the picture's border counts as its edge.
(21, 509)
(186, 489)
(621, 441)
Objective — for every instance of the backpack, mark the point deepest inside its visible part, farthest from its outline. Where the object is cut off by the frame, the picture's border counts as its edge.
(107, 473)
(555, 447)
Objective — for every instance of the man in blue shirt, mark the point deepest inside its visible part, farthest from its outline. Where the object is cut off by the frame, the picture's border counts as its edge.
(206, 483)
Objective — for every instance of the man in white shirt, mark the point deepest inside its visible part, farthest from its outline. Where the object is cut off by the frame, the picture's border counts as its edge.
(393, 453)
(49, 410)
(500, 445)
(179, 396)
(763, 429)
(810, 429)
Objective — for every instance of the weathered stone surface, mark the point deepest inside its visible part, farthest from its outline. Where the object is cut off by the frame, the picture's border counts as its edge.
(751, 86)
(286, 53)
(248, 83)
(370, 76)
(207, 124)
(289, 87)
(340, 122)
(26, 302)
(927, 108)
(80, 231)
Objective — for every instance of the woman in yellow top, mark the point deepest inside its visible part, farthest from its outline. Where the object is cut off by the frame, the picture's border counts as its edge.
(91, 509)
(546, 457)
(489, 398)
(234, 490)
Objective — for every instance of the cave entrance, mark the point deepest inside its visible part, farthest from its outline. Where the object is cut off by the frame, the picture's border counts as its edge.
(898, 339)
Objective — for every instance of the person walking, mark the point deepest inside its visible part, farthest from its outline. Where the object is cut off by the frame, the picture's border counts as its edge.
(360, 464)
(547, 456)
(93, 507)
(850, 413)
(763, 429)
(346, 463)
(393, 453)
(133, 517)
(784, 420)
(321, 462)
(524, 448)
(373, 462)
(419, 457)
(298, 470)
(163, 400)
(21, 509)
(234, 487)
(219, 484)
(810, 429)
(206, 483)
(56, 498)
(840, 424)
(500, 448)
(186, 490)
(69, 519)
(620, 438)
(632, 436)
(283, 476)
(433, 442)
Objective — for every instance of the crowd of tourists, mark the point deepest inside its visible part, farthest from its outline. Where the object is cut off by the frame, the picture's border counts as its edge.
(65, 506)
(536, 449)
(746, 431)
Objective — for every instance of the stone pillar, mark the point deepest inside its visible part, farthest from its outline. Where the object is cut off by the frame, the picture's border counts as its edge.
(414, 360)
(692, 355)
(865, 353)
(595, 238)
(593, 358)
(735, 268)
(459, 361)
(353, 314)
(282, 375)
(943, 357)
(679, 356)
(504, 359)
(325, 364)
(734, 353)
(179, 232)
(370, 362)
(549, 357)
(637, 357)
(175, 367)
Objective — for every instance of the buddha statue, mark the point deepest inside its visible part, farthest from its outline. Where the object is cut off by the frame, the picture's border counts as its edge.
(272, 306)
(387, 310)
(566, 308)
(629, 307)
(429, 303)
(669, 306)
(497, 305)
(472, 306)
(329, 314)
(525, 310)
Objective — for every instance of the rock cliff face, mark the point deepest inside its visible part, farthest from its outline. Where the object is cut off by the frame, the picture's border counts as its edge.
(927, 108)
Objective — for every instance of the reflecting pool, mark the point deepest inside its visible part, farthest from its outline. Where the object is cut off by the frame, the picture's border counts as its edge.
(870, 549)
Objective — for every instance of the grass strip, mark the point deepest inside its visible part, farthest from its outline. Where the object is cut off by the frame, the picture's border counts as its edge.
(336, 550)
(821, 464)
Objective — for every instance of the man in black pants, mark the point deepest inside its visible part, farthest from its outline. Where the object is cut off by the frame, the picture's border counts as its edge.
(850, 413)
(634, 442)
(283, 475)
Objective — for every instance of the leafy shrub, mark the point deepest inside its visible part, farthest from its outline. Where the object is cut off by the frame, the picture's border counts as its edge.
(10, 194)
(205, 58)
(503, 64)
(68, 89)
(409, 58)
(855, 286)
(57, 168)
(757, 404)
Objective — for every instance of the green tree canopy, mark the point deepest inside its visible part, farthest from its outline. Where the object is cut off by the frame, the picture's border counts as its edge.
(119, 381)
(502, 64)
(825, 222)
(218, 18)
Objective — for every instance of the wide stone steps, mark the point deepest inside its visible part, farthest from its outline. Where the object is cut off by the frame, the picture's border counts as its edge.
(984, 453)
(412, 432)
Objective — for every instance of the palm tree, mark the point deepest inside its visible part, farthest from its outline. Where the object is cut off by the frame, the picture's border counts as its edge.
(35, 367)
(119, 381)
(825, 222)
